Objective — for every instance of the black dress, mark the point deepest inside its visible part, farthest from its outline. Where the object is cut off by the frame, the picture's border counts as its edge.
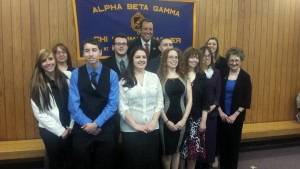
(174, 91)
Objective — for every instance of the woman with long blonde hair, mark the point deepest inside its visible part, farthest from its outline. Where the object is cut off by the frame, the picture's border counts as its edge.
(177, 94)
(49, 101)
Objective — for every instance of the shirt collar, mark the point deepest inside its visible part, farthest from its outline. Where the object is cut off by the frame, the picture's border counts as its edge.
(143, 43)
(98, 70)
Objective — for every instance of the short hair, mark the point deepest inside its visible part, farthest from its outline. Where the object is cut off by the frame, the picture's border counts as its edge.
(92, 41)
(235, 51)
(146, 20)
(120, 35)
(161, 39)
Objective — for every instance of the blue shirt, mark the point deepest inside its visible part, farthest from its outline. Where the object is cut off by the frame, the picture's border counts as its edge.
(228, 96)
(74, 98)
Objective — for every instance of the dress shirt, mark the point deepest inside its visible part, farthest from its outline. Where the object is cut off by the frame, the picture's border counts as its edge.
(142, 102)
(74, 98)
(119, 58)
(144, 46)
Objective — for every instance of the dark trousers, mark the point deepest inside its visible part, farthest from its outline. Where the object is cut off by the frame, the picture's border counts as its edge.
(230, 138)
(141, 150)
(93, 152)
(59, 151)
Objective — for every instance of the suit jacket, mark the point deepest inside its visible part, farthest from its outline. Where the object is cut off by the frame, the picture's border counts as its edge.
(241, 95)
(112, 64)
(154, 51)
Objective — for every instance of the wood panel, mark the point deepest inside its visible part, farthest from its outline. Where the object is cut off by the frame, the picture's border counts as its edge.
(267, 30)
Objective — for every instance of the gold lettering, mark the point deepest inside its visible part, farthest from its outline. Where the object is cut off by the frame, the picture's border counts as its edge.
(109, 7)
(101, 38)
(169, 11)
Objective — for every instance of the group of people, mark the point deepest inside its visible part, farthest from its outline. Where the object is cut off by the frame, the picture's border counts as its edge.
(173, 109)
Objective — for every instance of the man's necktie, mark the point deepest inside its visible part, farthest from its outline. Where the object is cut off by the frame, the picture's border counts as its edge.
(122, 67)
(94, 80)
(147, 49)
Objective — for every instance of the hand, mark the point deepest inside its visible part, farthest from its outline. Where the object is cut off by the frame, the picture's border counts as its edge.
(65, 134)
(69, 131)
(212, 107)
(96, 132)
(141, 128)
(202, 126)
(151, 126)
(223, 116)
(180, 124)
(231, 118)
(90, 128)
(171, 126)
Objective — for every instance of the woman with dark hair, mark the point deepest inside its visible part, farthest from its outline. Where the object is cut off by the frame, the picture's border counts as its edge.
(213, 88)
(63, 57)
(178, 102)
(141, 103)
(219, 61)
(235, 98)
(49, 100)
(193, 146)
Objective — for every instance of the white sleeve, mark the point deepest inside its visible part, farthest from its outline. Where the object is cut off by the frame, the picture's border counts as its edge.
(47, 121)
(160, 99)
(298, 101)
(123, 104)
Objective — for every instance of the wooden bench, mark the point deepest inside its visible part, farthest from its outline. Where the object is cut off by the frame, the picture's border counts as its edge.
(263, 131)
(21, 149)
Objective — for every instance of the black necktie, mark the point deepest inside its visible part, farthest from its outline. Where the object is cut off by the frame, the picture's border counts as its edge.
(122, 67)
(94, 80)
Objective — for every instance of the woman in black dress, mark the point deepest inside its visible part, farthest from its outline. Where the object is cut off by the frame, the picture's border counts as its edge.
(177, 105)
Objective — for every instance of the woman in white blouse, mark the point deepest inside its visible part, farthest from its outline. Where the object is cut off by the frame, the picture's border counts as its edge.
(141, 102)
(49, 101)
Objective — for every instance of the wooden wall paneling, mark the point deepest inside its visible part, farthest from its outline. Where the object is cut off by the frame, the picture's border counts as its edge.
(62, 22)
(246, 31)
(289, 53)
(71, 42)
(234, 27)
(53, 22)
(202, 22)
(215, 18)
(295, 57)
(221, 34)
(273, 91)
(257, 68)
(240, 23)
(209, 19)
(8, 70)
(27, 67)
(2, 94)
(280, 80)
(228, 24)
(266, 56)
(17, 57)
(197, 12)
(35, 34)
(44, 24)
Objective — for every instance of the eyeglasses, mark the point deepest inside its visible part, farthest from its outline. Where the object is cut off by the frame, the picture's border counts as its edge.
(62, 52)
(207, 56)
(173, 57)
(121, 44)
(236, 61)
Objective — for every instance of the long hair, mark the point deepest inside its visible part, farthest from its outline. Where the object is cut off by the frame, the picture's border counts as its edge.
(40, 92)
(64, 48)
(163, 67)
(202, 53)
(193, 52)
(217, 55)
(129, 76)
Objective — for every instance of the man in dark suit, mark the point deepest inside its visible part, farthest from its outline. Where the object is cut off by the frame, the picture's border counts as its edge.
(164, 43)
(119, 61)
(146, 40)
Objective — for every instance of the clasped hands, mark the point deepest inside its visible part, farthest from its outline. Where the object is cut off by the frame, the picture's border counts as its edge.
(147, 128)
(175, 127)
(91, 128)
(229, 119)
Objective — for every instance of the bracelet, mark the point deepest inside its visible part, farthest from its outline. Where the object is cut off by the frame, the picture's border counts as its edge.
(166, 121)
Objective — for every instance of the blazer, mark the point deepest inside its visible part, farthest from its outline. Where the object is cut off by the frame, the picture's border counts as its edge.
(111, 63)
(49, 119)
(154, 51)
(241, 95)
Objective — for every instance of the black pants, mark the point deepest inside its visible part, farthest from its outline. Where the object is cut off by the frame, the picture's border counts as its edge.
(230, 138)
(141, 150)
(59, 150)
(93, 152)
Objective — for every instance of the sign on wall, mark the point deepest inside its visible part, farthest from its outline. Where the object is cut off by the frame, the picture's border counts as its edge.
(102, 19)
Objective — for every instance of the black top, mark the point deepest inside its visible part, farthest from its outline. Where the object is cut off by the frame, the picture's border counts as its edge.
(153, 64)
(112, 64)
(221, 64)
(154, 51)
(241, 95)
